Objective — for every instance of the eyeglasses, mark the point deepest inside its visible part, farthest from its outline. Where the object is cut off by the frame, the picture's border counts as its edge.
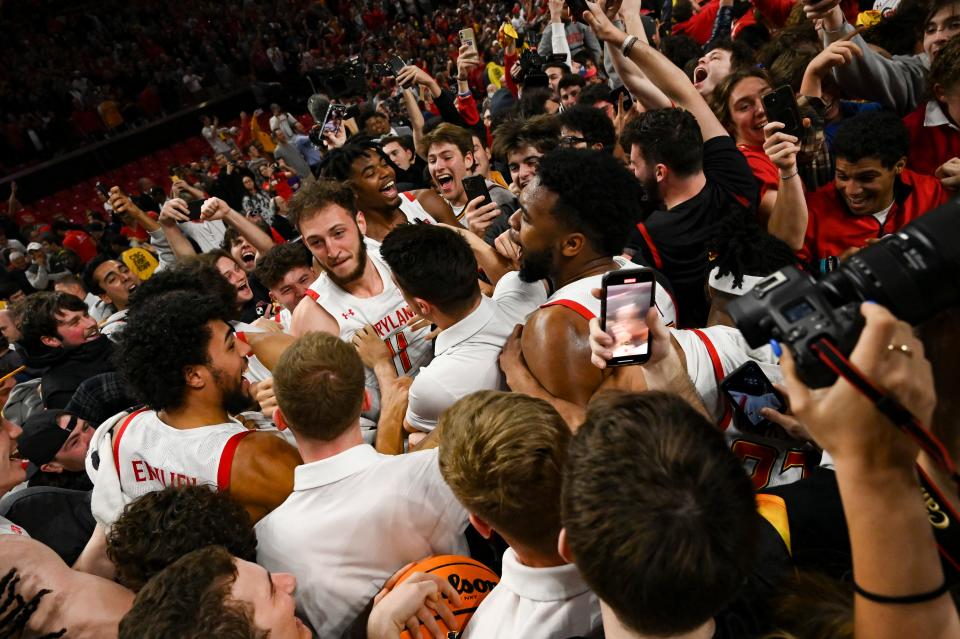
(569, 141)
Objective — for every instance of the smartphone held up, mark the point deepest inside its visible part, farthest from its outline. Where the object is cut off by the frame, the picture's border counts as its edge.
(626, 298)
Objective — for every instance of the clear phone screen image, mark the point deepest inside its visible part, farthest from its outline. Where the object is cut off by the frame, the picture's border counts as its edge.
(627, 307)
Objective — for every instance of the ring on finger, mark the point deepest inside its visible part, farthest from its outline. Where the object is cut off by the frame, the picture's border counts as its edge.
(900, 348)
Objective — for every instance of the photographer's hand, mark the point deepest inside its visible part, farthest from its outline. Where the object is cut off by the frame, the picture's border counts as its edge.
(412, 74)
(891, 357)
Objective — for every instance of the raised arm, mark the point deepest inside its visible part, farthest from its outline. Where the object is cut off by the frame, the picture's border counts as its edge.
(216, 209)
(790, 216)
(416, 120)
(173, 212)
(658, 69)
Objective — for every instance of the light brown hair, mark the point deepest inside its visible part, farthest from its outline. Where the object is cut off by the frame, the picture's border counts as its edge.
(450, 134)
(502, 454)
(319, 383)
(316, 195)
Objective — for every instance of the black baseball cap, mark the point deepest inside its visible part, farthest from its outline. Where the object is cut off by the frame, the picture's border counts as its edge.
(42, 437)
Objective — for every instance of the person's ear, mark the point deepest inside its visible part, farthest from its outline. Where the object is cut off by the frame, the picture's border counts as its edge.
(563, 547)
(52, 467)
(106, 298)
(597, 146)
(424, 308)
(193, 377)
(485, 529)
(900, 166)
(661, 172)
(469, 161)
(939, 92)
(361, 223)
(573, 244)
(52, 342)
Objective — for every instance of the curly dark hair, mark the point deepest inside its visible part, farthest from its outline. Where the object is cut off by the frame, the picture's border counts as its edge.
(593, 124)
(190, 599)
(189, 275)
(743, 247)
(596, 195)
(37, 315)
(280, 260)
(338, 163)
(162, 526)
(164, 334)
(878, 134)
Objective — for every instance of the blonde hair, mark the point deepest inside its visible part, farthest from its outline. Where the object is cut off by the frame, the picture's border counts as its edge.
(502, 454)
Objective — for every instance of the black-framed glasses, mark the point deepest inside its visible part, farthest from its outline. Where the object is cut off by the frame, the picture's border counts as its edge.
(571, 141)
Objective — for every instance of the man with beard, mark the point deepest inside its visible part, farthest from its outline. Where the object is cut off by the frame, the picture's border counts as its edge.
(684, 158)
(59, 337)
(356, 289)
(362, 165)
(188, 369)
(577, 215)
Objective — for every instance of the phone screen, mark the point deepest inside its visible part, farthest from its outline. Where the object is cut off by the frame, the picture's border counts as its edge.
(750, 390)
(625, 318)
(334, 119)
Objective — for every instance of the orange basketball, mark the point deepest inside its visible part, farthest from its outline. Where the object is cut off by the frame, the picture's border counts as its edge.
(472, 580)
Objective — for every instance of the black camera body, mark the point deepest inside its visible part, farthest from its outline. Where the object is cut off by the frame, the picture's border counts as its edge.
(914, 272)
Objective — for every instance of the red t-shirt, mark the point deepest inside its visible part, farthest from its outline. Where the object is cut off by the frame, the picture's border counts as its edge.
(930, 146)
(763, 168)
(832, 228)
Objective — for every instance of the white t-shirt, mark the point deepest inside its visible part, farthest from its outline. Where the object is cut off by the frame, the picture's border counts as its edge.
(207, 235)
(285, 123)
(351, 522)
(535, 603)
(466, 359)
(518, 299)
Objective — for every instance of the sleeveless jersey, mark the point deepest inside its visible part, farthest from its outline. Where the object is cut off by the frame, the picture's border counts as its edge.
(577, 296)
(150, 455)
(714, 352)
(388, 313)
(414, 211)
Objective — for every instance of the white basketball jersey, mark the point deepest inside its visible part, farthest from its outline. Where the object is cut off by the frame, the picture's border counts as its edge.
(150, 455)
(578, 296)
(712, 354)
(388, 313)
(256, 370)
(414, 211)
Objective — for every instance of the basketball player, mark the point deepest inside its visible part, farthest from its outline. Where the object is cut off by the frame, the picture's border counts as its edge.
(355, 515)
(361, 164)
(356, 288)
(181, 357)
(502, 455)
(579, 211)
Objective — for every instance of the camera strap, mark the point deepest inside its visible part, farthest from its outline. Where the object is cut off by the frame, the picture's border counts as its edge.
(943, 518)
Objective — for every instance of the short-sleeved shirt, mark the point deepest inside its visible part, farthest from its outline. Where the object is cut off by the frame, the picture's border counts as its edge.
(466, 359)
(674, 241)
(352, 521)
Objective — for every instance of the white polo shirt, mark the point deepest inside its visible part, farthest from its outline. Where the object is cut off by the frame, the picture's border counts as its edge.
(518, 299)
(351, 522)
(535, 603)
(465, 360)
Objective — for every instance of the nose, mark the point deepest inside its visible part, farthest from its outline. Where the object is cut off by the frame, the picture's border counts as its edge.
(285, 582)
(515, 220)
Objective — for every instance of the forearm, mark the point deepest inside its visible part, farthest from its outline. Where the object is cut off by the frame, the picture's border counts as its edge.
(558, 42)
(637, 83)
(811, 85)
(178, 242)
(40, 279)
(788, 221)
(416, 120)
(678, 383)
(159, 241)
(390, 433)
(260, 240)
(664, 75)
(886, 518)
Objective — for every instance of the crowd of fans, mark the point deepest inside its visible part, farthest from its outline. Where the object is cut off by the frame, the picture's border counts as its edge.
(355, 377)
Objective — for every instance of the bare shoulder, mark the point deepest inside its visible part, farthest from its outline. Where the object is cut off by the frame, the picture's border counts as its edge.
(309, 316)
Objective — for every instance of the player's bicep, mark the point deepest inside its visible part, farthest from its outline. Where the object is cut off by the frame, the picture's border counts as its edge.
(310, 317)
(556, 349)
(261, 476)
